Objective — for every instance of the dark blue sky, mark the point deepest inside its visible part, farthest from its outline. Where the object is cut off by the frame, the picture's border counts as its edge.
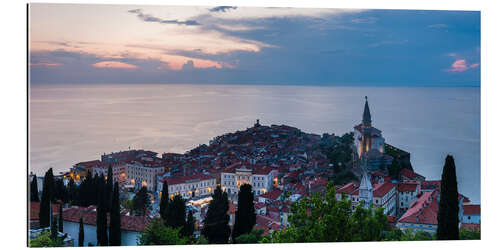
(373, 47)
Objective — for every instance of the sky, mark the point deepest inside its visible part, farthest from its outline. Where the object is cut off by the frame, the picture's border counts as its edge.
(74, 43)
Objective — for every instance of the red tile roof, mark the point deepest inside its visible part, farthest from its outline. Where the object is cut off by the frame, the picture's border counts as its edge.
(382, 189)
(472, 209)
(409, 174)
(185, 179)
(259, 205)
(407, 187)
(424, 210)
(348, 188)
(35, 210)
(273, 195)
(129, 223)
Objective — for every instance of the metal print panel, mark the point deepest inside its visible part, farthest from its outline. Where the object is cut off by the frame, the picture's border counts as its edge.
(162, 125)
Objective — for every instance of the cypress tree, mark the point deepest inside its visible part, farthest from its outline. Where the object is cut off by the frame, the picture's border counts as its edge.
(44, 214)
(448, 203)
(102, 218)
(245, 217)
(109, 188)
(34, 190)
(53, 229)
(72, 196)
(188, 229)
(176, 216)
(216, 228)
(164, 201)
(81, 234)
(60, 218)
(141, 201)
(115, 219)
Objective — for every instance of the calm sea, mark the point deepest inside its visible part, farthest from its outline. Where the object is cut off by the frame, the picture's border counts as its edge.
(74, 123)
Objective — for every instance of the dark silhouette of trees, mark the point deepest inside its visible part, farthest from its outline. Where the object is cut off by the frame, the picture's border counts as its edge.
(60, 218)
(34, 190)
(47, 196)
(141, 202)
(102, 218)
(115, 219)
(81, 234)
(164, 202)
(176, 216)
(245, 214)
(216, 228)
(448, 203)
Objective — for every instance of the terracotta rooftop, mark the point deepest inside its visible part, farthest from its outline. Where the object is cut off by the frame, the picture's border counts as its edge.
(407, 187)
(273, 195)
(409, 174)
(472, 209)
(186, 179)
(382, 189)
(129, 223)
(348, 188)
(424, 211)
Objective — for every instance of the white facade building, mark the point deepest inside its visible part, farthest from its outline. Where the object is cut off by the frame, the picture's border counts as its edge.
(143, 173)
(261, 179)
(189, 186)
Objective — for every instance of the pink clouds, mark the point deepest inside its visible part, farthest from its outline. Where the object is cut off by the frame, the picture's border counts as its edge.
(114, 65)
(45, 64)
(461, 65)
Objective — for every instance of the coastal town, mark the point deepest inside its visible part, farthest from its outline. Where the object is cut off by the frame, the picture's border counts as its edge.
(282, 164)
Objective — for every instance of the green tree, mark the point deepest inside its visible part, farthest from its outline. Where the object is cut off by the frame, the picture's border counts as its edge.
(448, 203)
(81, 234)
(34, 190)
(188, 229)
(245, 217)
(47, 193)
(470, 234)
(60, 218)
(53, 229)
(141, 202)
(216, 228)
(72, 192)
(102, 218)
(115, 219)
(109, 188)
(44, 240)
(157, 233)
(164, 201)
(324, 219)
(176, 216)
(254, 236)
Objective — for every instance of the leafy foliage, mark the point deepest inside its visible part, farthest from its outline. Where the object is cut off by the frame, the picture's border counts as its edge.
(44, 240)
(141, 201)
(158, 234)
(254, 236)
(318, 219)
(470, 234)
(338, 150)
